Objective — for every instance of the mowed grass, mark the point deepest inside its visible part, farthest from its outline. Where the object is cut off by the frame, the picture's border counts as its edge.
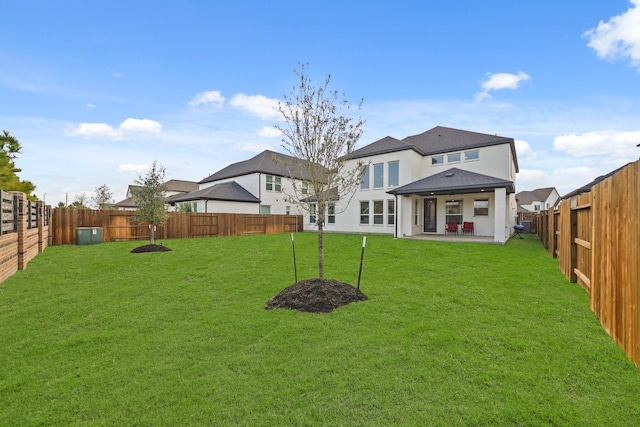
(452, 334)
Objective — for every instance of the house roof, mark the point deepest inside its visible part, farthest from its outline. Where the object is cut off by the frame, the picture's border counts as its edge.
(587, 187)
(227, 191)
(181, 185)
(537, 195)
(268, 162)
(129, 202)
(453, 180)
(438, 140)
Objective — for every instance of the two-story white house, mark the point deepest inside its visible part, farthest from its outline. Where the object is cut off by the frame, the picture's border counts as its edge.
(537, 200)
(421, 183)
(256, 186)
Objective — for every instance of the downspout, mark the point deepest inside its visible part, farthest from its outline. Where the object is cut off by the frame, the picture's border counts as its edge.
(259, 192)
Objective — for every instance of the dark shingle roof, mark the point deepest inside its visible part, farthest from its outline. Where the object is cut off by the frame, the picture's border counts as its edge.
(227, 191)
(435, 141)
(453, 180)
(537, 195)
(268, 162)
(587, 188)
(181, 185)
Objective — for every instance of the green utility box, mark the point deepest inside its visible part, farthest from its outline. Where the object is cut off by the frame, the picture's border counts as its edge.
(88, 235)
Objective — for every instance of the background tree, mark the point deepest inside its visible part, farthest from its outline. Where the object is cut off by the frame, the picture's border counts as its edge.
(320, 135)
(150, 197)
(80, 201)
(9, 181)
(103, 198)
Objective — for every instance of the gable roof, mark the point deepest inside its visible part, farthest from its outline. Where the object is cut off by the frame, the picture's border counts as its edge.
(268, 162)
(453, 180)
(438, 140)
(537, 195)
(227, 191)
(180, 185)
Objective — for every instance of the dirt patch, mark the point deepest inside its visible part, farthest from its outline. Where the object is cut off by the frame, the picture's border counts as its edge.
(316, 296)
(150, 248)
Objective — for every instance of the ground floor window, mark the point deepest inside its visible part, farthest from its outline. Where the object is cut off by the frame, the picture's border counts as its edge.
(416, 211)
(265, 209)
(364, 212)
(331, 214)
(481, 207)
(391, 212)
(453, 211)
(287, 210)
(312, 213)
(378, 212)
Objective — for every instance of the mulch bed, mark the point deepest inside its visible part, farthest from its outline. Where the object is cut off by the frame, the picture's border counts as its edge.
(316, 296)
(150, 248)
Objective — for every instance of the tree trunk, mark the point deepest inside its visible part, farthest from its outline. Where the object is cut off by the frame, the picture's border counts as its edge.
(320, 250)
(152, 234)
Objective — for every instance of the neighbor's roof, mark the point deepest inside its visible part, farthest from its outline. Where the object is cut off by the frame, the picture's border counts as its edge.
(268, 162)
(453, 180)
(181, 185)
(228, 191)
(435, 141)
(537, 195)
(587, 188)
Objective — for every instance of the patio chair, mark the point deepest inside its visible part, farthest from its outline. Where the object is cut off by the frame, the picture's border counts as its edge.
(467, 227)
(452, 227)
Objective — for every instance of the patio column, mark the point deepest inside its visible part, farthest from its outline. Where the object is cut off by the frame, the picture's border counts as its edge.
(500, 215)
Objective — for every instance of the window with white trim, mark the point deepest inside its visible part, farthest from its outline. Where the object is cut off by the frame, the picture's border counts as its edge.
(364, 183)
(391, 211)
(364, 212)
(481, 207)
(416, 211)
(312, 213)
(471, 155)
(287, 210)
(378, 175)
(265, 209)
(273, 183)
(437, 160)
(393, 173)
(331, 214)
(453, 158)
(378, 212)
(453, 211)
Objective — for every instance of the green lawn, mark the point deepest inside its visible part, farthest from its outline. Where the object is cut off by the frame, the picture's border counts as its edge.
(452, 334)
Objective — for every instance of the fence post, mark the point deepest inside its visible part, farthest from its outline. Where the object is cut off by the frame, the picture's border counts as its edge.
(573, 222)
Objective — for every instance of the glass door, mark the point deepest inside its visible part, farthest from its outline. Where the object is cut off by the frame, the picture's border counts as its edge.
(430, 225)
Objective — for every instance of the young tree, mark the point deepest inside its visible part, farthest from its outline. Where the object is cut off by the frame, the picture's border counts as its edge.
(320, 136)
(80, 201)
(102, 197)
(9, 181)
(150, 197)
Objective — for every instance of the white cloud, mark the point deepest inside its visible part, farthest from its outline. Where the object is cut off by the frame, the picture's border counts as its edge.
(103, 130)
(269, 132)
(142, 168)
(258, 105)
(531, 179)
(211, 98)
(140, 125)
(90, 106)
(599, 143)
(500, 81)
(619, 37)
(524, 150)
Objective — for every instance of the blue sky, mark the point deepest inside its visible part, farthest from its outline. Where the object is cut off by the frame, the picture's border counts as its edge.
(97, 90)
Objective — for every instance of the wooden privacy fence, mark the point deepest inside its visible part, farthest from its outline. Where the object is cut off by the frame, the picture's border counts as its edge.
(117, 225)
(596, 238)
(24, 231)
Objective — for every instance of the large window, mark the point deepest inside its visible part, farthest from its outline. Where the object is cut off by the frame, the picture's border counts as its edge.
(274, 183)
(453, 211)
(481, 207)
(378, 212)
(364, 212)
(378, 175)
(437, 160)
(391, 211)
(393, 175)
(364, 184)
(265, 209)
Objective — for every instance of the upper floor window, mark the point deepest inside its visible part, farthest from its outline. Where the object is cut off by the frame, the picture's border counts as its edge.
(274, 183)
(304, 187)
(437, 160)
(364, 184)
(378, 175)
(393, 175)
(471, 155)
(453, 158)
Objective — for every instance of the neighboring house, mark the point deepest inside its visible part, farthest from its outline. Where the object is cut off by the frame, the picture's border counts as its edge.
(537, 200)
(417, 185)
(173, 186)
(259, 185)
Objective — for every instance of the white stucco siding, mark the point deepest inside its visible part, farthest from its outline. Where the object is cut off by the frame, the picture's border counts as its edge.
(249, 182)
(493, 161)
